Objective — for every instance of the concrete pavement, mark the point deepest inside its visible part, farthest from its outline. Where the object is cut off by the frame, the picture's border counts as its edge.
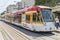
(1, 36)
(58, 30)
(13, 33)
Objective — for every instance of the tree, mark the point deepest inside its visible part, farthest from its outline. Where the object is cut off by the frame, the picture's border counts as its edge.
(47, 2)
(3, 12)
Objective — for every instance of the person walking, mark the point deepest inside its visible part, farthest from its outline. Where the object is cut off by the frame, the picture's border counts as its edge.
(57, 22)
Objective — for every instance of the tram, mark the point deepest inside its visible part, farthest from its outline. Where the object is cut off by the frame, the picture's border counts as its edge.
(34, 18)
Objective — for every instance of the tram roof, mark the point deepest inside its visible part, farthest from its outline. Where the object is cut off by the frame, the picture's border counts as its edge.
(31, 8)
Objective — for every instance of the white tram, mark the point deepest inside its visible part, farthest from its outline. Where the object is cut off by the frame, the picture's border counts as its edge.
(34, 18)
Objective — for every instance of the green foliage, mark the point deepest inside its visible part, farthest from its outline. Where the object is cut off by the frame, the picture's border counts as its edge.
(3, 13)
(47, 2)
(58, 12)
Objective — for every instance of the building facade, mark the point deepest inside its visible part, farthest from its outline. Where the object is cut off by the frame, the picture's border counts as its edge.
(20, 5)
(27, 3)
(11, 8)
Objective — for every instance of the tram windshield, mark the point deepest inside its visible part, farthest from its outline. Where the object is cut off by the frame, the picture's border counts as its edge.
(47, 15)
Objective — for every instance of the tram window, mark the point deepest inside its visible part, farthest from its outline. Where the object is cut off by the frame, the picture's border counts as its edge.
(20, 16)
(35, 17)
(47, 15)
(17, 17)
(27, 18)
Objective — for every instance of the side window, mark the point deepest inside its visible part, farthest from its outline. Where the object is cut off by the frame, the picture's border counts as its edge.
(28, 18)
(35, 17)
(20, 18)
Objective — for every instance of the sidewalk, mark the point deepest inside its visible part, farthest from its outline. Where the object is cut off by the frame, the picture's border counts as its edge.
(13, 33)
(1, 36)
(58, 30)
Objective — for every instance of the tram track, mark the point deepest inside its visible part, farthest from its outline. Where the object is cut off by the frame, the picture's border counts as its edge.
(17, 34)
(36, 36)
(32, 37)
(44, 37)
(51, 38)
(54, 37)
(21, 35)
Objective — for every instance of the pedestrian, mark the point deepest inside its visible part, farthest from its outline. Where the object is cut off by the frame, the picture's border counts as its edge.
(57, 22)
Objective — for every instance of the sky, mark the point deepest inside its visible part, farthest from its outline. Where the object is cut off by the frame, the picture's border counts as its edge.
(5, 3)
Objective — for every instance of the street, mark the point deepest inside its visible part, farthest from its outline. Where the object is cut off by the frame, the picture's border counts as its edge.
(17, 33)
(29, 19)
